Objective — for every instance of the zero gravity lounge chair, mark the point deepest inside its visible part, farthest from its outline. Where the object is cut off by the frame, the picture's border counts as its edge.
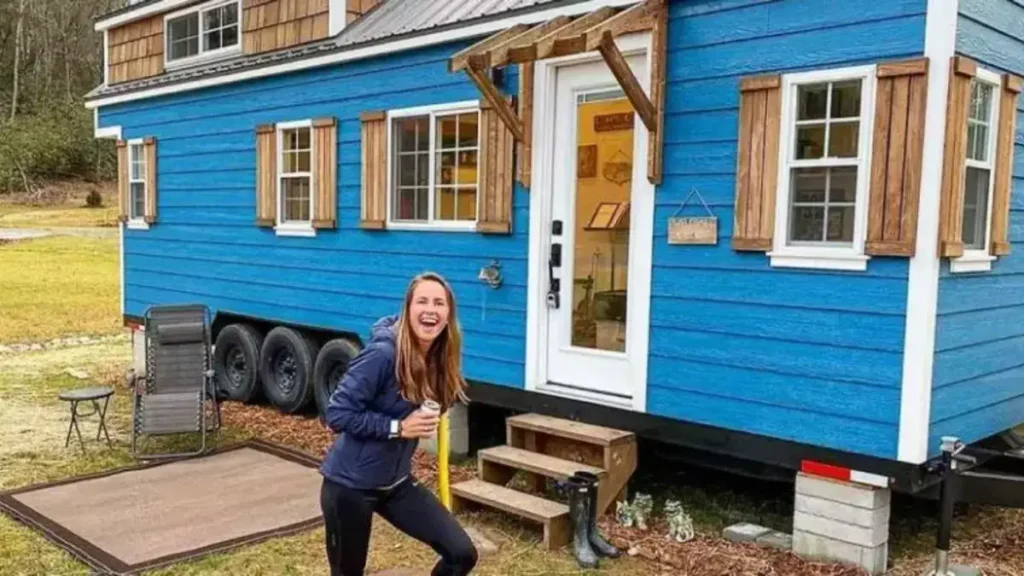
(172, 398)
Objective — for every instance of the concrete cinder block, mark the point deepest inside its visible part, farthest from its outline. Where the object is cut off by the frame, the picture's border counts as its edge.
(852, 494)
(745, 532)
(869, 537)
(817, 547)
(774, 539)
(868, 518)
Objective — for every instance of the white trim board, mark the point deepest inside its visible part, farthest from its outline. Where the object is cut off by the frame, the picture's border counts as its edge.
(353, 54)
(139, 14)
(923, 282)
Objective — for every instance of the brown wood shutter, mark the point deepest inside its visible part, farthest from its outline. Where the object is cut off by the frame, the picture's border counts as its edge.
(757, 162)
(954, 165)
(897, 146)
(122, 180)
(266, 175)
(524, 149)
(325, 142)
(374, 171)
(1004, 165)
(149, 147)
(497, 147)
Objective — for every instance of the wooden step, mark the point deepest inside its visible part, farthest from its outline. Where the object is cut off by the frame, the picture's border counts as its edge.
(508, 457)
(578, 431)
(553, 516)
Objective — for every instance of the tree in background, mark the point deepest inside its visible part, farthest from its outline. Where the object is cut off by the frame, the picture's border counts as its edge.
(50, 56)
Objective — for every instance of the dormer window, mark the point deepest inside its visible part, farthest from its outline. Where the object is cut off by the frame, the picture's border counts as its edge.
(209, 31)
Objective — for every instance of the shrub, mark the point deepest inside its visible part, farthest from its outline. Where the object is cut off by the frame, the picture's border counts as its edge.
(94, 199)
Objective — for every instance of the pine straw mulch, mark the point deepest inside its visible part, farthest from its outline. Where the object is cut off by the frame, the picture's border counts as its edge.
(307, 434)
(990, 539)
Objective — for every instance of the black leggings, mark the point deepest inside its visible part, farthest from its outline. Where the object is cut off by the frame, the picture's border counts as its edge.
(348, 514)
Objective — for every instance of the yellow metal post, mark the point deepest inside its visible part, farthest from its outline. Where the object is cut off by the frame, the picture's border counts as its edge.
(442, 462)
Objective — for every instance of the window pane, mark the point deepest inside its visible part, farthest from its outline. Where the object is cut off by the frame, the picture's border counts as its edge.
(842, 139)
(977, 142)
(843, 185)
(304, 135)
(304, 160)
(808, 185)
(229, 14)
(446, 168)
(840, 223)
(407, 170)
(289, 162)
(812, 102)
(807, 224)
(423, 169)
(192, 46)
(468, 130)
(183, 27)
(467, 167)
(444, 204)
(422, 203)
(295, 198)
(846, 99)
(183, 49)
(406, 132)
(810, 141)
(229, 36)
(976, 197)
(446, 127)
(981, 102)
(467, 204)
(405, 207)
(138, 197)
(212, 40)
(211, 19)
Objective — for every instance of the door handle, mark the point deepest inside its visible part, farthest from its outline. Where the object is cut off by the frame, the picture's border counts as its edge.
(554, 285)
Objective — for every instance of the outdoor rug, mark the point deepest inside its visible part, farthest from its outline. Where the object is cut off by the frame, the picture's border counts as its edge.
(153, 514)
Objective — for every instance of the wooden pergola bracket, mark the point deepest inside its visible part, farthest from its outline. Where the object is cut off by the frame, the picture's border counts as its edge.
(478, 74)
(630, 85)
(461, 59)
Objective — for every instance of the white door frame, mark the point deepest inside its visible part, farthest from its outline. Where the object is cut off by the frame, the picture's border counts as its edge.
(642, 227)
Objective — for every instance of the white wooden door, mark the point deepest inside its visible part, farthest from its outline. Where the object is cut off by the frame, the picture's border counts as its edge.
(596, 240)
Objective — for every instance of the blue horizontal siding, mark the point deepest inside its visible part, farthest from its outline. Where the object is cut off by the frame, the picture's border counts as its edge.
(812, 356)
(979, 364)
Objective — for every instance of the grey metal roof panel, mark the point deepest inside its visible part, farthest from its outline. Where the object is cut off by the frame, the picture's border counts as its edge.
(389, 19)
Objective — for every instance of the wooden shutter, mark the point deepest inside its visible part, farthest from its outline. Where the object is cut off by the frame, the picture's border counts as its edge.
(122, 180)
(149, 147)
(325, 142)
(266, 175)
(757, 163)
(954, 165)
(1004, 165)
(524, 149)
(374, 171)
(497, 148)
(897, 146)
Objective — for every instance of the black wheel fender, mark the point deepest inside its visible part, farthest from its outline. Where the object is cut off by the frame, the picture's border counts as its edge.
(303, 352)
(240, 339)
(333, 357)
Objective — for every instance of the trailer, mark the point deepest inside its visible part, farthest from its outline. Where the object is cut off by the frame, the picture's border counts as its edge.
(779, 232)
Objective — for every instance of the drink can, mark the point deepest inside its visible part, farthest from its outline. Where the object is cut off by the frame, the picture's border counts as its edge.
(430, 407)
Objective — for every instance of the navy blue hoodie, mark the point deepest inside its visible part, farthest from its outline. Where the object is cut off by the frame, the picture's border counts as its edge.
(361, 409)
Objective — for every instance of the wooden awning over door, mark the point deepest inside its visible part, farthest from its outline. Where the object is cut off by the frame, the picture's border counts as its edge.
(563, 36)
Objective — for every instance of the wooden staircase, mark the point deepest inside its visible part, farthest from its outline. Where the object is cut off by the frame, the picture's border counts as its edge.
(544, 447)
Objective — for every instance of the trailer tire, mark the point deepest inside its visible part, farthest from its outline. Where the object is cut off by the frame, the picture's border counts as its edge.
(236, 359)
(286, 369)
(331, 364)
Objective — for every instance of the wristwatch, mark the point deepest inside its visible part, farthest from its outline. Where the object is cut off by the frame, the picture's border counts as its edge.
(396, 429)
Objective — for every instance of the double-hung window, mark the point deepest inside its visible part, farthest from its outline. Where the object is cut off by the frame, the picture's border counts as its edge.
(295, 178)
(433, 175)
(136, 184)
(982, 122)
(212, 29)
(823, 169)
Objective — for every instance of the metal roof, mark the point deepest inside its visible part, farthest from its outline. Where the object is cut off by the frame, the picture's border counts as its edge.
(388, 20)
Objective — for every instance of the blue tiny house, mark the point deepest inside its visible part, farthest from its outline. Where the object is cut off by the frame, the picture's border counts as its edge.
(783, 230)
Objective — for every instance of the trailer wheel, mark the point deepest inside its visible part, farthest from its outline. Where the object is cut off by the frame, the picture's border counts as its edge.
(286, 369)
(331, 364)
(236, 362)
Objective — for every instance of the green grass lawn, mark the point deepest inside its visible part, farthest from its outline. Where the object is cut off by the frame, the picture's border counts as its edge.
(19, 216)
(58, 286)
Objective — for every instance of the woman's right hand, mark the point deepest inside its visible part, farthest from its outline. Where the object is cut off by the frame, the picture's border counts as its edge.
(419, 425)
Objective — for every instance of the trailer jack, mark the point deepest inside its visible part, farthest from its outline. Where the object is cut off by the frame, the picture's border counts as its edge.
(999, 481)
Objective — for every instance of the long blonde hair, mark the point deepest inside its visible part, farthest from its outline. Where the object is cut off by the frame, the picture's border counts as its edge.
(437, 375)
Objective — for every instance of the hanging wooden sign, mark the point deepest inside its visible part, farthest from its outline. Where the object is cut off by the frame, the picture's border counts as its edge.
(612, 122)
(693, 229)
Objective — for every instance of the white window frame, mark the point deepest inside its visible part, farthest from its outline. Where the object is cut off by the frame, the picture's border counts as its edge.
(980, 260)
(137, 222)
(432, 111)
(825, 256)
(202, 55)
(294, 228)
